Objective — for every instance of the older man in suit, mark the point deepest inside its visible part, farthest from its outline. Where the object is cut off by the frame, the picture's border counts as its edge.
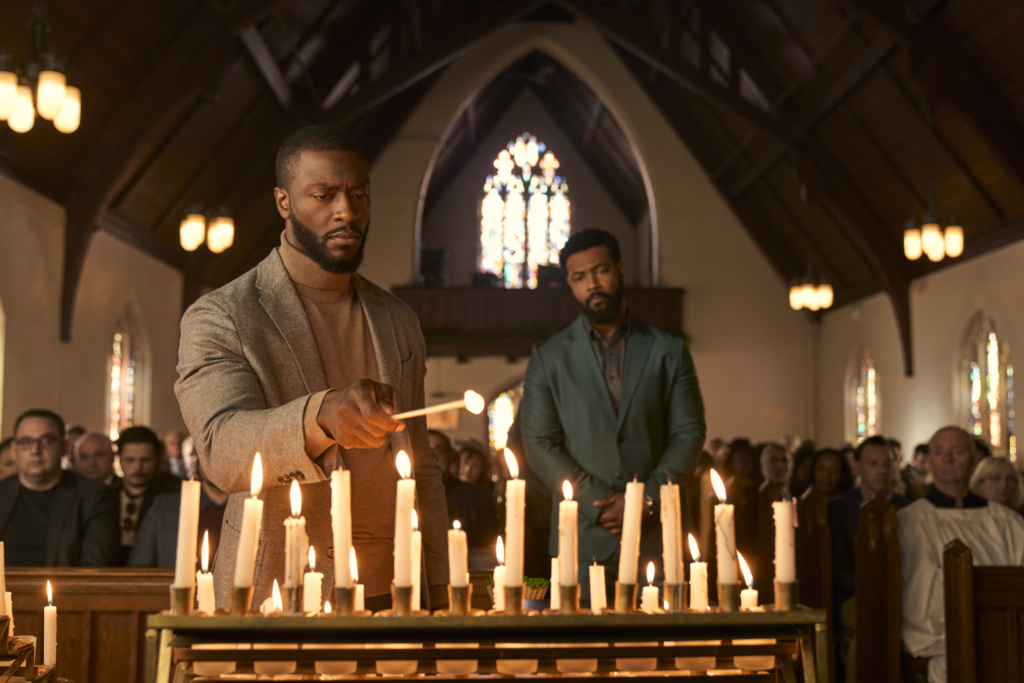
(304, 361)
(607, 400)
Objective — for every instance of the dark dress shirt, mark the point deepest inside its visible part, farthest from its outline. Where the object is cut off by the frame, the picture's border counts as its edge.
(164, 483)
(941, 500)
(611, 356)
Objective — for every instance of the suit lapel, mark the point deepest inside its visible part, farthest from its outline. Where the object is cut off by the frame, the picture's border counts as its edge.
(589, 371)
(638, 348)
(64, 504)
(278, 298)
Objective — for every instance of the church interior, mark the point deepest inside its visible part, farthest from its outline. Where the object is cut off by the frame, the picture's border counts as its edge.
(818, 204)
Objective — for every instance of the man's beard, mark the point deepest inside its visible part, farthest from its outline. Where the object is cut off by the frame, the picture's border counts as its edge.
(316, 247)
(610, 311)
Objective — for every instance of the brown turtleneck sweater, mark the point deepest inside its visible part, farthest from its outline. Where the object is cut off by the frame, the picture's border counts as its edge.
(346, 351)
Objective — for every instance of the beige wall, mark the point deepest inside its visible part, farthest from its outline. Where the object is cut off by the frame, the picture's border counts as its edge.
(942, 308)
(39, 370)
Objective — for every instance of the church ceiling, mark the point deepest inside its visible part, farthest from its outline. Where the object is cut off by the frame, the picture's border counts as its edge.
(812, 117)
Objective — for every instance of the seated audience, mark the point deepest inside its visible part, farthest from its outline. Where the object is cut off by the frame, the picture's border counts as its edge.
(174, 462)
(830, 474)
(474, 506)
(774, 472)
(76, 432)
(93, 458)
(140, 450)
(7, 466)
(800, 472)
(50, 517)
(994, 533)
(997, 480)
(915, 475)
(474, 467)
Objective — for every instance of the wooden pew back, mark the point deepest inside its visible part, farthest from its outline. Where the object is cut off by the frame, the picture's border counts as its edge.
(879, 592)
(813, 552)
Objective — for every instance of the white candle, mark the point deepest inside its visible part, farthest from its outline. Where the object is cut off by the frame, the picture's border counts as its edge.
(296, 542)
(748, 597)
(204, 580)
(556, 596)
(360, 602)
(598, 596)
(341, 525)
(403, 521)
(4, 609)
(698, 579)
(785, 541)
(312, 586)
(672, 533)
(725, 533)
(515, 516)
(417, 555)
(568, 544)
(188, 532)
(50, 629)
(458, 556)
(649, 596)
(252, 521)
(499, 577)
(630, 551)
(10, 612)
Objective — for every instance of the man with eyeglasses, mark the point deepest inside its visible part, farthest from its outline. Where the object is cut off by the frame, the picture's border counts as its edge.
(50, 517)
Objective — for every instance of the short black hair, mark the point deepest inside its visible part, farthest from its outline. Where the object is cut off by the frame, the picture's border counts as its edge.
(44, 414)
(140, 435)
(311, 139)
(870, 441)
(921, 448)
(893, 443)
(587, 239)
(6, 443)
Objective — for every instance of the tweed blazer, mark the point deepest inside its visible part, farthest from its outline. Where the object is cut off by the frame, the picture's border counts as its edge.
(247, 365)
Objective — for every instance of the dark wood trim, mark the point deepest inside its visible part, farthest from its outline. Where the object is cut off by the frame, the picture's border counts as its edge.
(879, 592)
(958, 586)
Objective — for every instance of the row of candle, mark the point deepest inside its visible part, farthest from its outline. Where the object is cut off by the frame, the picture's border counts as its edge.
(49, 614)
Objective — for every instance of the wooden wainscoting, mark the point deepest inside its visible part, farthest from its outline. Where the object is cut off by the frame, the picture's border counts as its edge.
(101, 617)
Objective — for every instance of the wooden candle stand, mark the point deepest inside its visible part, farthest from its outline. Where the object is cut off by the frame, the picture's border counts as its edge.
(18, 658)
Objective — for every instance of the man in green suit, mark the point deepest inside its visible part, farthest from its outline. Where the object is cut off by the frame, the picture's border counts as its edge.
(607, 400)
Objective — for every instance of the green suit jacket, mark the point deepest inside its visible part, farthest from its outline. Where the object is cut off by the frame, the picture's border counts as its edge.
(571, 429)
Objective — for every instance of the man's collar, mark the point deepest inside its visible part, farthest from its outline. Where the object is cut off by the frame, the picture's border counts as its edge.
(941, 500)
(594, 334)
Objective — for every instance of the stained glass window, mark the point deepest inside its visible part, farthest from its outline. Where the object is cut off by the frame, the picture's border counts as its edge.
(1011, 437)
(990, 411)
(122, 383)
(525, 213)
(866, 400)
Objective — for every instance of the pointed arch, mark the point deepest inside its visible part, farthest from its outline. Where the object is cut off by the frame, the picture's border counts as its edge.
(985, 396)
(862, 399)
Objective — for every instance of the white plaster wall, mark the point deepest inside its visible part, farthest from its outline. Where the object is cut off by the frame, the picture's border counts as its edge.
(751, 351)
(448, 379)
(942, 307)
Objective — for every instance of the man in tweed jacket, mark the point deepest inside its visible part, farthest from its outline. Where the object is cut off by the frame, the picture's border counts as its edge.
(304, 361)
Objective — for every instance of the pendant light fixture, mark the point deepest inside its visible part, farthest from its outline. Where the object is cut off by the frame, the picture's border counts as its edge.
(813, 297)
(930, 239)
(200, 224)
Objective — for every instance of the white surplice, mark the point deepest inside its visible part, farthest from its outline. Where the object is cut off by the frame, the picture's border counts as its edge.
(995, 535)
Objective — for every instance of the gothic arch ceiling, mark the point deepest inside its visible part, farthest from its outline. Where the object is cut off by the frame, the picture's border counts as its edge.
(810, 116)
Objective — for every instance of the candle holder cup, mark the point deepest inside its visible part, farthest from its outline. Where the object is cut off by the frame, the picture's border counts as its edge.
(460, 600)
(513, 600)
(675, 595)
(241, 600)
(344, 601)
(293, 600)
(569, 599)
(785, 596)
(401, 601)
(182, 599)
(625, 597)
(729, 597)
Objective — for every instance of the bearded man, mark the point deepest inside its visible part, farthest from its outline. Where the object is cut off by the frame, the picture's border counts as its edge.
(607, 400)
(304, 361)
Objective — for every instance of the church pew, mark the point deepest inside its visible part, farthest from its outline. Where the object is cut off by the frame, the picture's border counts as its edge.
(984, 616)
(814, 559)
(101, 617)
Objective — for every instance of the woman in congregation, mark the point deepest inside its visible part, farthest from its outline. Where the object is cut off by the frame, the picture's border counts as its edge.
(996, 479)
(831, 474)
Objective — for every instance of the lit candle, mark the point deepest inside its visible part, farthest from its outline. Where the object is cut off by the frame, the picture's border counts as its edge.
(725, 533)
(204, 580)
(630, 551)
(649, 597)
(672, 533)
(312, 586)
(698, 579)
(252, 520)
(417, 554)
(785, 542)
(273, 604)
(341, 525)
(296, 542)
(598, 596)
(403, 521)
(556, 596)
(499, 577)
(10, 613)
(360, 603)
(49, 629)
(748, 597)
(188, 531)
(515, 516)
(327, 608)
(458, 556)
(568, 544)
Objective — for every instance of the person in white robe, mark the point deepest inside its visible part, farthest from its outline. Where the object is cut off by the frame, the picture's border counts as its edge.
(993, 532)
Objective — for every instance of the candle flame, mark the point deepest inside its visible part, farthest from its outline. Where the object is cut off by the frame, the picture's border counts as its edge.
(49, 593)
(403, 465)
(327, 607)
(567, 490)
(694, 550)
(415, 520)
(747, 576)
(456, 524)
(312, 559)
(513, 466)
(665, 603)
(718, 485)
(353, 566)
(276, 597)
(500, 551)
(256, 481)
(650, 573)
(474, 402)
(206, 551)
(296, 498)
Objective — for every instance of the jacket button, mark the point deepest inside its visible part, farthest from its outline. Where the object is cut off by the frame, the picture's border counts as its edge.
(618, 475)
(330, 552)
(280, 480)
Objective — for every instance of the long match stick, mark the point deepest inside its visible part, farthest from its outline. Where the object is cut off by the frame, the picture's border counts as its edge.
(473, 402)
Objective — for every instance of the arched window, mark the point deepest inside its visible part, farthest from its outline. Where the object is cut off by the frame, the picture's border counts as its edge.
(524, 214)
(988, 374)
(123, 375)
(866, 398)
(500, 414)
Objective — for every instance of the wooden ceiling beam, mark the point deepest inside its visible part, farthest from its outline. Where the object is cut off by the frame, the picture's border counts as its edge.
(265, 62)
